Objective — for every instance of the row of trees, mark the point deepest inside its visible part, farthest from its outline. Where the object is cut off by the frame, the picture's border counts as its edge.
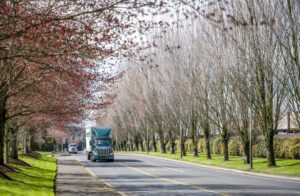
(230, 67)
(51, 57)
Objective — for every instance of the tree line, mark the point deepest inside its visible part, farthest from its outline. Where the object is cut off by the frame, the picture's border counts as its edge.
(52, 56)
(226, 68)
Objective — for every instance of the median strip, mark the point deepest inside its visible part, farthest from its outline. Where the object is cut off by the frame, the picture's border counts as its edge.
(172, 181)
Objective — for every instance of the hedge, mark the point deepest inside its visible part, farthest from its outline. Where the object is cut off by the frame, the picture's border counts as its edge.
(201, 146)
(217, 146)
(294, 152)
(284, 148)
(235, 147)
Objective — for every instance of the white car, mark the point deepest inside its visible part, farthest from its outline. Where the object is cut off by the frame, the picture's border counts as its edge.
(73, 148)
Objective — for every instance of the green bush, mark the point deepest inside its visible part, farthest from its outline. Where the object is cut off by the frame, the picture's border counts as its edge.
(201, 146)
(217, 146)
(151, 145)
(168, 146)
(234, 147)
(261, 149)
(145, 145)
(188, 145)
(177, 145)
(294, 152)
(158, 146)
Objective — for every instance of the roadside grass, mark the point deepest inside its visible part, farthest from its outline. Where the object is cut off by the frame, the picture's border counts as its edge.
(44, 153)
(285, 167)
(37, 180)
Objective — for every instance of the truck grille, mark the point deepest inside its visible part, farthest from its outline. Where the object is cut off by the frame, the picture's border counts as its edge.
(103, 152)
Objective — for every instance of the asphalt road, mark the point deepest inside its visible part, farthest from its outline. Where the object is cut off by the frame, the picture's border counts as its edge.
(141, 175)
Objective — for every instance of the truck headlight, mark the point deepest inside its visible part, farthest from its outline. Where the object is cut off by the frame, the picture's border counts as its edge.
(111, 154)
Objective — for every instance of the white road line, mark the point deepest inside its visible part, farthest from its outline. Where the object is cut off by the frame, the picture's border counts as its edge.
(174, 169)
(227, 170)
(164, 167)
(153, 164)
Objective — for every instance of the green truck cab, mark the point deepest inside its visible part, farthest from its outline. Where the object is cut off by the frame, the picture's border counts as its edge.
(98, 144)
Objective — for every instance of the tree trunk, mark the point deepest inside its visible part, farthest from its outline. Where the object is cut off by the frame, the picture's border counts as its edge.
(131, 146)
(183, 147)
(25, 148)
(6, 147)
(206, 138)
(154, 143)
(246, 152)
(14, 148)
(195, 149)
(2, 130)
(225, 139)
(270, 151)
(207, 146)
(141, 144)
(194, 139)
(206, 128)
(31, 143)
(195, 154)
(162, 142)
(225, 150)
(136, 142)
(147, 144)
(172, 147)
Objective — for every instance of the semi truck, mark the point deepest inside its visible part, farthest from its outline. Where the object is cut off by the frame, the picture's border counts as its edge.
(98, 144)
(72, 148)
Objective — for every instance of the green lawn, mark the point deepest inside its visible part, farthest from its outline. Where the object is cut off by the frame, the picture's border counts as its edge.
(44, 153)
(287, 167)
(37, 180)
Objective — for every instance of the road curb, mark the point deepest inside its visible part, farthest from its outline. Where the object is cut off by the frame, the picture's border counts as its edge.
(294, 179)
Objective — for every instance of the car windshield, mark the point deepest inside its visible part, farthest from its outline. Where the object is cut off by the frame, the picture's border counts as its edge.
(72, 145)
(104, 142)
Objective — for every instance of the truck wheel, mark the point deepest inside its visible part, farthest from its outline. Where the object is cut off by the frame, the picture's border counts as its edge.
(92, 159)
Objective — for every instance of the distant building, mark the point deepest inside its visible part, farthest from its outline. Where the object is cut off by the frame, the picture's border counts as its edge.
(289, 123)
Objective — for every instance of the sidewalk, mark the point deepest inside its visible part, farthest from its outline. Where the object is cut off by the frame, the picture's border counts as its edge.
(73, 179)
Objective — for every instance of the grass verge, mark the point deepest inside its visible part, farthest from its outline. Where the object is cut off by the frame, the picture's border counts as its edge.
(285, 167)
(32, 181)
(44, 153)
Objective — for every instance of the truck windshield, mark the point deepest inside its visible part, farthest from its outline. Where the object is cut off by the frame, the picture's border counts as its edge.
(104, 142)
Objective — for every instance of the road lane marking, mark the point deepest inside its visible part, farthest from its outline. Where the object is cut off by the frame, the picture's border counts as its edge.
(166, 167)
(174, 169)
(107, 186)
(172, 181)
(153, 164)
(228, 170)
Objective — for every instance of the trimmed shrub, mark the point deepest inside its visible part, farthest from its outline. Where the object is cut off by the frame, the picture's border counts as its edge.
(294, 152)
(234, 147)
(261, 149)
(168, 146)
(188, 145)
(217, 146)
(145, 145)
(151, 145)
(158, 146)
(177, 145)
(201, 146)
